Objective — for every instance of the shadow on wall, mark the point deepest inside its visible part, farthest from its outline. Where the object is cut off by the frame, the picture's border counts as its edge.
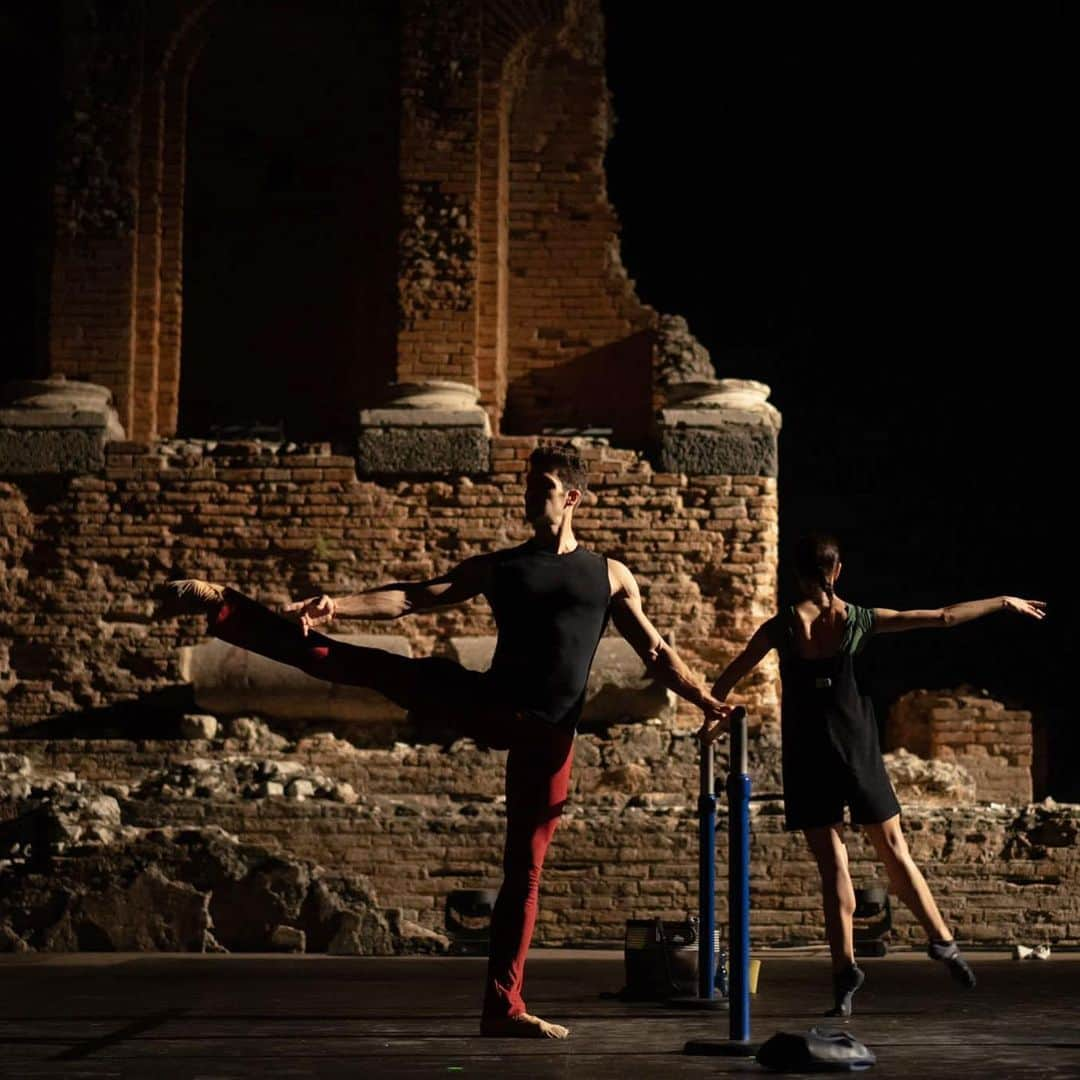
(171, 714)
(609, 387)
(153, 715)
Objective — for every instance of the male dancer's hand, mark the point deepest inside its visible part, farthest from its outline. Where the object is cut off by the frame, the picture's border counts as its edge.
(312, 612)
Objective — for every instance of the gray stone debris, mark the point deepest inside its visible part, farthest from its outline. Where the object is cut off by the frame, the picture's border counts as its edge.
(14, 765)
(74, 877)
(54, 812)
(288, 939)
(930, 783)
(198, 726)
(235, 776)
(414, 937)
(253, 734)
(680, 357)
(10, 942)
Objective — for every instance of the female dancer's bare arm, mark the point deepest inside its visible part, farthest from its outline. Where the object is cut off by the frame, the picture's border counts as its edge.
(757, 648)
(887, 621)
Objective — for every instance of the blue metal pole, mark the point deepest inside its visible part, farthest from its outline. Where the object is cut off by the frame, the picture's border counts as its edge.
(738, 792)
(706, 876)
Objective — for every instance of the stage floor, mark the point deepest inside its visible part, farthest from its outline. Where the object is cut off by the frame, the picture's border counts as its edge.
(221, 1017)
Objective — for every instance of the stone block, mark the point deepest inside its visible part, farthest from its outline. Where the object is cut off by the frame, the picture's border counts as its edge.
(287, 939)
(26, 451)
(55, 426)
(720, 427)
(230, 680)
(429, 429)
(408, 450)
(198, 726)
(686, 446)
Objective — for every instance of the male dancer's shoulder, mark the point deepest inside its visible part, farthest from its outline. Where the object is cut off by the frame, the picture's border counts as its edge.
(508, 554)
(474, 573)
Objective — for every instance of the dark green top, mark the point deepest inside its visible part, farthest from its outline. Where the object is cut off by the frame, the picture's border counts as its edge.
(859, 625)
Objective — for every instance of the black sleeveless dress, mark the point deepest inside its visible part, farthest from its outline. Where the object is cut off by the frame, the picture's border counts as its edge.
(831, 754)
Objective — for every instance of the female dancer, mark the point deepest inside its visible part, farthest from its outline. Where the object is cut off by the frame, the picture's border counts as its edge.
(831, 756)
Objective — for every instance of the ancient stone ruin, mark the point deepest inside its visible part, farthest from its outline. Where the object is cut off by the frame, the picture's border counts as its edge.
(162, 791)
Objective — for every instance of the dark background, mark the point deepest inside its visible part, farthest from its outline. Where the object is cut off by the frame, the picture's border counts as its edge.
(291, 219)
(866, 210)
(864, 207)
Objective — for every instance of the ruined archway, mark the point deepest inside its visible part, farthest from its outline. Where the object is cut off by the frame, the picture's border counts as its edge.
(551, 343)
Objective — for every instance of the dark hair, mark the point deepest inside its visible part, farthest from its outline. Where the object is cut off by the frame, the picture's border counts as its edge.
(564, 460)
(817, 555)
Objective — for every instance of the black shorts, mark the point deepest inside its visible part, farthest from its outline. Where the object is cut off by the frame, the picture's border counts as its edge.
(816, 791)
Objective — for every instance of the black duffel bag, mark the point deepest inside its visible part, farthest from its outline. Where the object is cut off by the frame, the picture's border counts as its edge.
(818, 1050)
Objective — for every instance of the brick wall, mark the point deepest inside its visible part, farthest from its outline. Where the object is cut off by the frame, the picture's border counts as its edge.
(81, 557)
(508, 272)
(427, 821)
(575, 323)
(992, 742)
(509, 279)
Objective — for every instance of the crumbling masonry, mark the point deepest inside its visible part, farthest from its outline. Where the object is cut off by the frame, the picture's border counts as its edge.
(162, 791)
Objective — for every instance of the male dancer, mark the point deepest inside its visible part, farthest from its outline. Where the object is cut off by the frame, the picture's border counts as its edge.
(551, 599)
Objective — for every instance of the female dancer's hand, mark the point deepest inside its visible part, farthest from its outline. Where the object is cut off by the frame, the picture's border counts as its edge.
(312, 612)
(1035, 608)
(715, 724)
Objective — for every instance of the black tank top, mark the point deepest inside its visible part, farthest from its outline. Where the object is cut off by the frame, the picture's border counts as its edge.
(551, 611)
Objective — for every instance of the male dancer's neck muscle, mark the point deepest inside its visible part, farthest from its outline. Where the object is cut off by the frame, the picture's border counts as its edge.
(549, 509)
(558, 538)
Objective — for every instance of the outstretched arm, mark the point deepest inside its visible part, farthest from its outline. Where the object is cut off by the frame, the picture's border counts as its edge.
(662, 661)
(757, 648)
(465, 581)
(887, 621)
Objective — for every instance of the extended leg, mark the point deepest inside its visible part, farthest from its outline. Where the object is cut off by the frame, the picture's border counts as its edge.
(241, 621)
(909, 884)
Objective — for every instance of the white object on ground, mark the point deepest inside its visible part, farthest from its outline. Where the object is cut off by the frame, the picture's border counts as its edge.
(1024, 952)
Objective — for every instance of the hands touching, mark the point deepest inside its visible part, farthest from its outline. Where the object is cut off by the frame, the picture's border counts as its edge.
(312, 612)
(715, 723)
